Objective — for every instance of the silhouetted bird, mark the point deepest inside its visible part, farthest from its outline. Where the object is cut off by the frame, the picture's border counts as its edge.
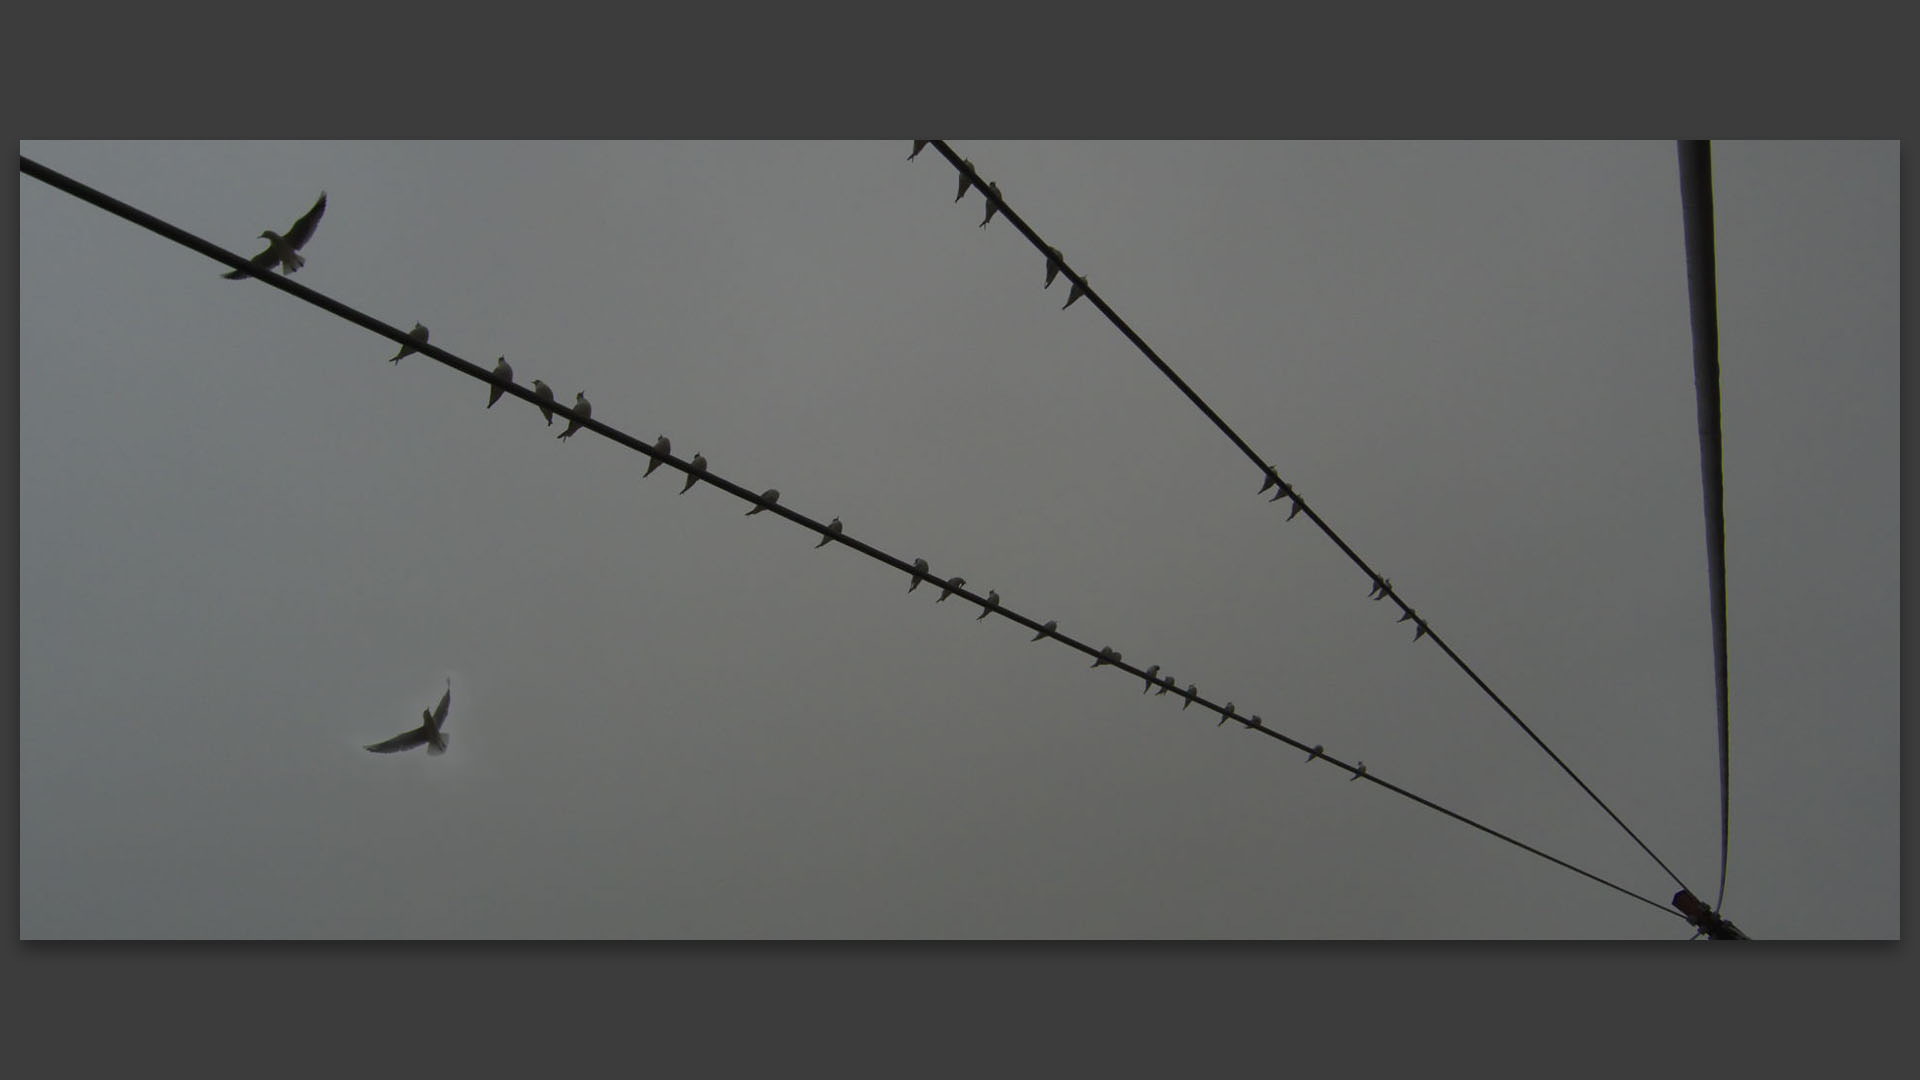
(966, 179)
(1050, 627)
(767, 498)
(545, 394)
(1226, 714)
(993, 203)
(1054, 262)
(695, 467)
(918, 145)
(581, 406)
(833, 530)
(993, 601)
(418, 333)
(665, 446)
(504, 371)
(428, 734)
(1079, 290)
(919, 571)
(1316, 752)
(1358, 773)
(1191, 689)
(951, 585)
(1151, 672)
(1107, 656)
(1381, 587)
(280, 249)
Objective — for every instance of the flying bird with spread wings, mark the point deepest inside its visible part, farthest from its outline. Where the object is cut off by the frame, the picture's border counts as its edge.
(428, 734)
(280, 249)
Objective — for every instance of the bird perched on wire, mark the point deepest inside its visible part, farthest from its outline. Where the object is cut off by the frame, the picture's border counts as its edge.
(1226, 714)
(1316, 751)
(1191, 690)
(581, 406)
(418, 333)
(545, 394)
(918, 145)
(504, 372)
(951, 585)
(1297, 505)
(1054, 262)
(1151, 672)
(767, 498)
(919, 571)
(1381, 587)
(993, 203)
(1079, 290)
(993, 601)
(1358, 773)
(663, 445)
(1107, 656)
(966, 178)
(694, 468)
(280, 249)
(428, 734)
(1050, 627)
(834, 529)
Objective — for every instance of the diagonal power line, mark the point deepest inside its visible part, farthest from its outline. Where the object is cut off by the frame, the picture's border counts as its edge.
(1104, 656)
(970, 178)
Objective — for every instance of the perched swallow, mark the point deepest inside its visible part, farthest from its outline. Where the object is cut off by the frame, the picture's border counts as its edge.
(694, 468)
(966, 179)
(1282, 492)
(1316, 752)
(918, 145)
(1420, 629)
(1226, 714)
(1191, 688)
(993, 601)
(1381, 587)
(1358, 773)
(767, 498)
(1267, 483)
(418, 333)
(1166, 684)
(504, 372)
(1107, 656)
(993, 203)
(833, 530)
(951, 585)
(665, 446)
(280, 249)
(1079, 290)
(1254, 722)
(1297, 504)
(1054, 262)
(1050, 627)
(545, 394)
(585, 410)
(428, 734)
(919, 571)
(1151, 672)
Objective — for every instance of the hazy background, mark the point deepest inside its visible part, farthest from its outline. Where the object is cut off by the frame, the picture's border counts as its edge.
(249, 546)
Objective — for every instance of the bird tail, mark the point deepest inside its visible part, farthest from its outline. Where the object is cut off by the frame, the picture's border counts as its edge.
(439, 744)
(293, 262)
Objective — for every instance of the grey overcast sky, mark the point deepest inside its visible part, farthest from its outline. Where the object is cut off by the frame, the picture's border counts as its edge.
(249, 545)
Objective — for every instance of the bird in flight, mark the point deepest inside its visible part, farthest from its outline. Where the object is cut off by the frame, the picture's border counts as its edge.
(428, 734)
(418, 333)
(663, 445)
(545, 394)
(280, 249)
(503, 371)
(581, 406)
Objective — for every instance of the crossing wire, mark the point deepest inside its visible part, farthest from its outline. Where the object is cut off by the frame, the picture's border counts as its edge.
(971, 180)
(1103, 656)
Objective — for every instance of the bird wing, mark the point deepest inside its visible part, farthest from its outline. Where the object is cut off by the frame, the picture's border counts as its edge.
(440, 710)
(406, 740)
(264, 261)
(302, 230)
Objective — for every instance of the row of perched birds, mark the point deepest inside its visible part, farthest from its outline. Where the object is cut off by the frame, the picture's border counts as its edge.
(282, 253)
(1382, 588)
